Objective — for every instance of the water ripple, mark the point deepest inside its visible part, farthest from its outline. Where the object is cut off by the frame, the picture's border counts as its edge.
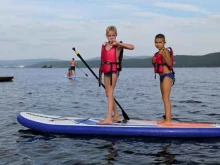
(47, 91)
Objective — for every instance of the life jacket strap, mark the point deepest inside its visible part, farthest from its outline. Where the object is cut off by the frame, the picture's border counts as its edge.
(174, 79)
(109, 63)
(100, 78)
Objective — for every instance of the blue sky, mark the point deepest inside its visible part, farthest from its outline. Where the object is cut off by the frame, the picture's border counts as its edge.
(33, 29)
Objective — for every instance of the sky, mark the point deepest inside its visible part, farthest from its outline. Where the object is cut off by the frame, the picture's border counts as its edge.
(32, 29)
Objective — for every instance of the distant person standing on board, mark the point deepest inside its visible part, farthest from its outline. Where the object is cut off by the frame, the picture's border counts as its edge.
(73, 66)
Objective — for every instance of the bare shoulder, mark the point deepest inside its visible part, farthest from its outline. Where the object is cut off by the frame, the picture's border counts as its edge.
(165, 51)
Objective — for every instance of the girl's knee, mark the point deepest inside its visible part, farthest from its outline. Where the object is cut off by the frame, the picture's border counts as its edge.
(109, 94)
(165, 98)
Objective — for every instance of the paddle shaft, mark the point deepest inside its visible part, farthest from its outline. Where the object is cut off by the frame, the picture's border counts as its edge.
(82, 71)
(123, 112)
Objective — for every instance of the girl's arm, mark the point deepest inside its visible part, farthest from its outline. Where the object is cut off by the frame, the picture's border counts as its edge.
(125, 46)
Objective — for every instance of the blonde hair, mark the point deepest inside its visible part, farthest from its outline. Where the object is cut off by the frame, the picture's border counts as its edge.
(111, 28)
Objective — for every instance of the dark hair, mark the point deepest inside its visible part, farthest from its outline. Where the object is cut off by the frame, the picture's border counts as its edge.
(160, 36)
(72, 58)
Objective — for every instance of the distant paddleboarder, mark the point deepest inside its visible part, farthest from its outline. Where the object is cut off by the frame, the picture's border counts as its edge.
(73, 66)
(71, 70)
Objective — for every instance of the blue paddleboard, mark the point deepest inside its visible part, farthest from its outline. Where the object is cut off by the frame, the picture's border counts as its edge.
(133, 128)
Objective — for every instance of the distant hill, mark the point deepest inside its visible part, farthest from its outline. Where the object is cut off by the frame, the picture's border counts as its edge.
(26, 62)
(208, 60)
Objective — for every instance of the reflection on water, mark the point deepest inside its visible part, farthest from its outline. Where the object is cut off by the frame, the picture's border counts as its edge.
(110, 150)
(168, 158)
(112, 153)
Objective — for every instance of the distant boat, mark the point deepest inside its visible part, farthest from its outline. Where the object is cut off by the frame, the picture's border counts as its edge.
(21, 66)
(6, 78)
(45, 66)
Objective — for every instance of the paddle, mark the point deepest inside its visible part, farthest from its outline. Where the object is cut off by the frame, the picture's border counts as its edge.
(123, 112)
(82, 71)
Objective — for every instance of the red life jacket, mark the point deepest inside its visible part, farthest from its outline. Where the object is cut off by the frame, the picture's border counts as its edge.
(108, 60)
(158, 65)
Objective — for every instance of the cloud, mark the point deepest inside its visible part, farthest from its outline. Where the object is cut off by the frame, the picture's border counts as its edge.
(49, 29)
(149, 14)
(179, 6)
(123, 7)
(215, 17)
(43, 10)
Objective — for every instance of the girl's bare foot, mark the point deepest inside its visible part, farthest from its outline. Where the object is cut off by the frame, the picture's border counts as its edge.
(167, 121)
(105, 122)
(116, 118)
(161, 121)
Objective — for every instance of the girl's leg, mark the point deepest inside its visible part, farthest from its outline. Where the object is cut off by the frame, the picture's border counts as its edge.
(161, 90)
(166, 90)
(116, 116)
(109, 89)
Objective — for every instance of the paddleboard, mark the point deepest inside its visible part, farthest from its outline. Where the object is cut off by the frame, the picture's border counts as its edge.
(134, 128)
(71, 77)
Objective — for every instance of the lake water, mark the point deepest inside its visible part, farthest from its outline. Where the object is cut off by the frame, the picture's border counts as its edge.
(195, 97)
